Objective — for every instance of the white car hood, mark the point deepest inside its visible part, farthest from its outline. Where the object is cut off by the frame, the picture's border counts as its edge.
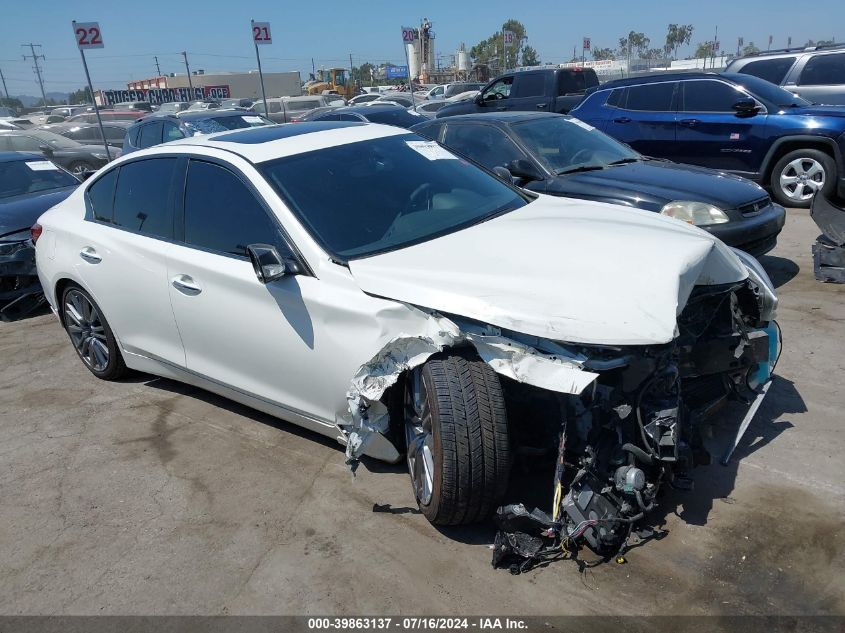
(565, 270)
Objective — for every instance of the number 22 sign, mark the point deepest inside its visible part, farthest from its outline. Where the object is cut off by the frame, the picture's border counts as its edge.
(261, 33)
(88, 35)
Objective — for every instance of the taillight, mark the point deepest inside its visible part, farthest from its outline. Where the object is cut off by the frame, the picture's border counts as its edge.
(35, 232)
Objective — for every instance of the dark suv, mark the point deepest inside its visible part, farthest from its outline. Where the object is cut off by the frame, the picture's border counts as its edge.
(552, 89)
(816, 73)
(731, 122)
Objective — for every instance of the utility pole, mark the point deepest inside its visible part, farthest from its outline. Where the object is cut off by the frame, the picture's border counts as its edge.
(35, 59)
(349, 88)
(5, 89)
(313, 70)
(188, 70)
(158, 68)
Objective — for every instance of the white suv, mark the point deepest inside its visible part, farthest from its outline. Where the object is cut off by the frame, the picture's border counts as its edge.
(368, 284)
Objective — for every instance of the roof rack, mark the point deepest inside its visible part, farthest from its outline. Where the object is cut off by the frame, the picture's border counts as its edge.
(794, 49)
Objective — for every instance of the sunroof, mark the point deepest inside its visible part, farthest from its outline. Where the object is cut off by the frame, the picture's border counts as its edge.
(255, 135)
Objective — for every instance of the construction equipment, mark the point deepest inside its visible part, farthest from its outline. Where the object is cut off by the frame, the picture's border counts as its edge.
(330, 80)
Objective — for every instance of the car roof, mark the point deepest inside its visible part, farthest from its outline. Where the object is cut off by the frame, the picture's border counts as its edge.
(651, 79)
(366, 109)
(10, 157)
(260, 144)
(501, 117)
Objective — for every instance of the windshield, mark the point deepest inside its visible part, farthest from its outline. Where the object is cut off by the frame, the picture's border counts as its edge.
(54, 140)
(364, 198)
(225, 123)
(564, 144)
(767, 91)
(19, 177)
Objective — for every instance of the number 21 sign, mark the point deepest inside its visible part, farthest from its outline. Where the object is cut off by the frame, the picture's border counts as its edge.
(261, 33)
(88, 35)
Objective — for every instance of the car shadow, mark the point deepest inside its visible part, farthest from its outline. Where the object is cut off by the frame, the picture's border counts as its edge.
(221, 402)
(779, 269)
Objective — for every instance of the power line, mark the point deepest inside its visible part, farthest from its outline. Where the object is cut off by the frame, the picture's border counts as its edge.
(35, 59)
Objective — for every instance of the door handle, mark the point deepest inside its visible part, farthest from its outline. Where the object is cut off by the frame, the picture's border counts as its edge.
(622, 119)
(500, 109)
(90, 255)
(541, 106)
(689, 122)
(186, 284)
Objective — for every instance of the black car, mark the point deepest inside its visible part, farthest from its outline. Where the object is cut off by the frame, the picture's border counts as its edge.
(163, 128)
(562, 156)
(29, 185)
(75, 157)
(376, 113)
(89, 133)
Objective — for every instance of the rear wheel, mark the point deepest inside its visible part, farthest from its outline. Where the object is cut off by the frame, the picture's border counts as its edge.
(80, 168)
(91, 335)
(456, 433)
(800, 174)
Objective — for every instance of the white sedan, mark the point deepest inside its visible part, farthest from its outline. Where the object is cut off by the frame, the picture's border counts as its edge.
(370, 285)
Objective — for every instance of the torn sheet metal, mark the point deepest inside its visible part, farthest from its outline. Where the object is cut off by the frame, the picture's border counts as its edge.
(562, 270)
(369, 418)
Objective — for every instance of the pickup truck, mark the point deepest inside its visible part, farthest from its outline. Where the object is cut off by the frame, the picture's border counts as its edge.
(553, 89)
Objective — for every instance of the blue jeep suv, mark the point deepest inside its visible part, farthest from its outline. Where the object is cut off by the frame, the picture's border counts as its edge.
(730, 122)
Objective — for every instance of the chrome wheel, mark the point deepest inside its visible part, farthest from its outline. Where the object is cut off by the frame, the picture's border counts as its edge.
(802, 178)
(418, 436)
(85, 327)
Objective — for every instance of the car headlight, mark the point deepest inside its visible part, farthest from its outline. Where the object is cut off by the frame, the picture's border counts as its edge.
(698, 213)
(12, 243)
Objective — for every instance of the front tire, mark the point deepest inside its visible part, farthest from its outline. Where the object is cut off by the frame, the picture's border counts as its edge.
(79, 168)
(91, 335)
(456, 433)
(800, 174)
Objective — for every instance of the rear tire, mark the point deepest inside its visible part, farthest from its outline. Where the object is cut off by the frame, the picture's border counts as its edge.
(457, 438)
(91, 335)
(800, 174)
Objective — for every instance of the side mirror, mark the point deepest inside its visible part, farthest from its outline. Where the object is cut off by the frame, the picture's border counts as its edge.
(503, 173)
(268, 264)
(479, 99)
(46, 150)
(525, 169)
(746, 107)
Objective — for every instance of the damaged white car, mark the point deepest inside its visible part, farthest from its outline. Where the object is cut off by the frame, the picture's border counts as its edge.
(366, 283)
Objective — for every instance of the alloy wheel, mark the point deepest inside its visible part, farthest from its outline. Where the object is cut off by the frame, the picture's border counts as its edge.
(802, 178)
(418, 436)
(86, 330)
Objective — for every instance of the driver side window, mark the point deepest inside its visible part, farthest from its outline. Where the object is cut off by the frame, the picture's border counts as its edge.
(499, 90)
(484, 144)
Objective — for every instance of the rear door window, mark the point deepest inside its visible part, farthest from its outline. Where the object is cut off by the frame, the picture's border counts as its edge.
(773, 70)
(530, 85)
(142, 197)
(651, 97)
(710, 96)
(223, 215)
(824, 70)
(150, 135)
(100, 197)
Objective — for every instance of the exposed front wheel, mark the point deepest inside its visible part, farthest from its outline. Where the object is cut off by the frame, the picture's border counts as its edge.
(456, 434)
(800, 174)
(79, 168)
(91, 335)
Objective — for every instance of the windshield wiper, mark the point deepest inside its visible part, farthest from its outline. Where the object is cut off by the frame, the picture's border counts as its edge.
(623, 161)
(574, 170)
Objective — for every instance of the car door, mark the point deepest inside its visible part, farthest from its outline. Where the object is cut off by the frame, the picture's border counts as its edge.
(258, 339)
(485, 144)
(531, 91)
(121, 258)
(645, 118)
(822, 79)
(149, 135)
(712, 134)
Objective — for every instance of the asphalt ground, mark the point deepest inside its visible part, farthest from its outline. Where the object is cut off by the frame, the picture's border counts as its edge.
(150, 497)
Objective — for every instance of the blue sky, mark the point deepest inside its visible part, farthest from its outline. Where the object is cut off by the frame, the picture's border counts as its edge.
(216, 34)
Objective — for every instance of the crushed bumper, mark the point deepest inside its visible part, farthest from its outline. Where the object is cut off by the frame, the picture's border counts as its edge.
(20, 290)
